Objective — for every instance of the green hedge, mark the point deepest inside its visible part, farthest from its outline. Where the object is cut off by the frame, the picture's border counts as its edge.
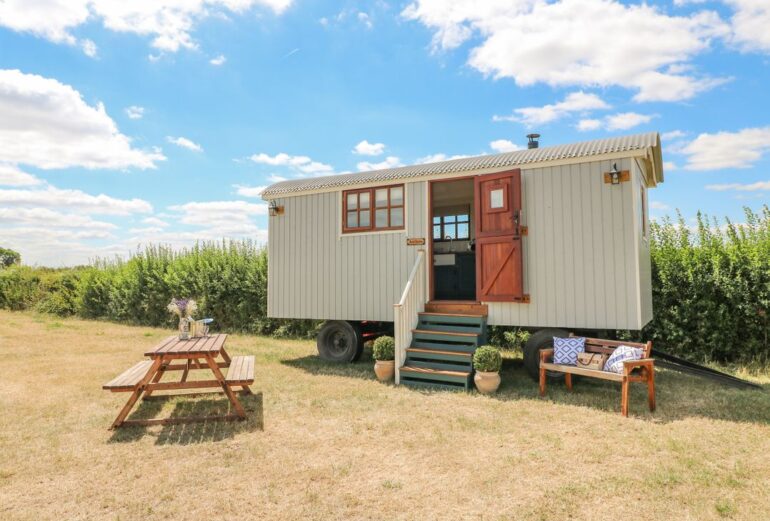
(711, 289)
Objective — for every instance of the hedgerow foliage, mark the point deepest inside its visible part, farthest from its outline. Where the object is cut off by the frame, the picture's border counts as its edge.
(710, 285)
(711, 288)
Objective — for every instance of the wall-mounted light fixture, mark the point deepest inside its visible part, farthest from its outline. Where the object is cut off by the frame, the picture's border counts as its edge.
(616, 176)
(274, 209)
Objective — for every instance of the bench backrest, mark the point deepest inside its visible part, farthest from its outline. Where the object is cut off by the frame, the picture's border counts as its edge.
(600, 345)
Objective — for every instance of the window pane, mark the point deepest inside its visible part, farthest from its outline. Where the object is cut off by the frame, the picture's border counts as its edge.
(363, 219)
(450, 231)
(437, 232)
(381, 197)
(396, 217)
(449, 218)
(352, 220)
(397, 196)
(462, 231)
(352, 201)
(496, 198)
(462, 218)
(437, 220)
(381, 218)
(364, 199)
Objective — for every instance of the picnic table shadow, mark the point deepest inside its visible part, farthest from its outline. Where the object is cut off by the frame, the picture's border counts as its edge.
(679, 396)
(189, 433)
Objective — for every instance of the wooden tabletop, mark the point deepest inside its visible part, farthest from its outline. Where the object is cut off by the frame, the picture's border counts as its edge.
(210, 345)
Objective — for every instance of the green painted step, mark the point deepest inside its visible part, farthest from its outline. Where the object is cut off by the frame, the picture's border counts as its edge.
(443, 346)
(445, 336)
(435, 375)
(441, 366)
(436, 354)
(451, 328)
(433, 385)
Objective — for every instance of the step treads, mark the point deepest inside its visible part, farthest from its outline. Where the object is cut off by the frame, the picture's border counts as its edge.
(443, 346)
(450, 328)
(432, 372)
(440, 365)
(448, 386)
(421, 351)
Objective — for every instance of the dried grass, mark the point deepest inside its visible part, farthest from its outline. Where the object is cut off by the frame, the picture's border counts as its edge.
(329, 442)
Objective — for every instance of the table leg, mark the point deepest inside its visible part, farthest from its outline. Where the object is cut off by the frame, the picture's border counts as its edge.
(156, 378)
(225, 387)
(186, 371)
(225, 356)
(135, 395)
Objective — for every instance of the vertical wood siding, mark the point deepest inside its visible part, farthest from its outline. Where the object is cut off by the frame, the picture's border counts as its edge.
(581, 254)
(585, 264)
(316, 272)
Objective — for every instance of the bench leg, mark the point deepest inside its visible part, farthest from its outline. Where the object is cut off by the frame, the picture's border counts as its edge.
(135, 395)
(542, 381)
(568, 381)
(624, 397)
(651, 388)
(226, 388)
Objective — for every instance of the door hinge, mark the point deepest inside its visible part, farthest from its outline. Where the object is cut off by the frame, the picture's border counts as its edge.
(523, 231)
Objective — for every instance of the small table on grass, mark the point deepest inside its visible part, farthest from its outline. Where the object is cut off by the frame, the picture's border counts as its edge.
(173, 354)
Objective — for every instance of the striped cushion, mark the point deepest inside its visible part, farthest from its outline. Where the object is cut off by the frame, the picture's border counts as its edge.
(621, 354)
(565, 350)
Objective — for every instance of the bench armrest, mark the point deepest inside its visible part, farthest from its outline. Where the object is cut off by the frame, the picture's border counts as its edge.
(630, 365)
(546, 355)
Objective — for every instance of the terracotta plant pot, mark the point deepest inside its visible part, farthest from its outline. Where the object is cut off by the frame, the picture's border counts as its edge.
(385, 369)
(486, 383)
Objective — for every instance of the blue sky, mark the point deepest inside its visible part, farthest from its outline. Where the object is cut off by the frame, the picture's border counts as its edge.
(125, 123)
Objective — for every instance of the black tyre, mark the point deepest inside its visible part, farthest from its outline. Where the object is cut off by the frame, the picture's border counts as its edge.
(338, 341)
(360, 336)
(542, 339)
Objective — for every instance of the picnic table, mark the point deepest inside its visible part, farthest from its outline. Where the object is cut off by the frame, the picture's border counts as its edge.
(173, 354)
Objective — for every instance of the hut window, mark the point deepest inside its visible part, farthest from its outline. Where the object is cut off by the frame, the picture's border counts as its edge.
(451, 227)
(379, 208)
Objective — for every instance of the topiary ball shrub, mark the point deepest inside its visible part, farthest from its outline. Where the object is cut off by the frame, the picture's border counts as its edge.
(384, 348)
(487, 359)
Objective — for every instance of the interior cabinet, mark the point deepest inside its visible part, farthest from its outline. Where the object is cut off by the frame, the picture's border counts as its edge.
(456, 281)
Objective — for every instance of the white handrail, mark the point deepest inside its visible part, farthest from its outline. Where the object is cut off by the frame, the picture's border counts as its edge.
(405, 313)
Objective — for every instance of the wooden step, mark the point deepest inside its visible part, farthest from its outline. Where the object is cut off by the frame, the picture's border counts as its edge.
(441, 376)
(465, 315)
(433, 371)
(457, 307)
(420, 350)
(420, 336)
(450, 333)
(442, 346)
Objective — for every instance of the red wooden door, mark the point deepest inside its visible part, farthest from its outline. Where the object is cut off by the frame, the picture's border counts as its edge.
(498, 237)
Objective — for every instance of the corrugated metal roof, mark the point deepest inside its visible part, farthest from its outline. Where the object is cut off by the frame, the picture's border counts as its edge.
(650, 140)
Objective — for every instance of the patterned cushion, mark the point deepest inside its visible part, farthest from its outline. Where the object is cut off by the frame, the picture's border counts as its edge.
(565, 350)
(621, 354)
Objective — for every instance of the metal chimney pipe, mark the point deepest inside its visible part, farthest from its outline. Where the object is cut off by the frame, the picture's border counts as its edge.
(533, 140)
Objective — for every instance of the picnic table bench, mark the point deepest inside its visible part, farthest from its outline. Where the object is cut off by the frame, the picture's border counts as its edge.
(173, 354)
(633, 370)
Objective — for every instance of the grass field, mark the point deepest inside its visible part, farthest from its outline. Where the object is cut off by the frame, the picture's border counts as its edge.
(329, 442)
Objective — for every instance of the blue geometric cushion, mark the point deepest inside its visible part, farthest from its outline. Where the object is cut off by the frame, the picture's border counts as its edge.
(621, 354)
(565, 350)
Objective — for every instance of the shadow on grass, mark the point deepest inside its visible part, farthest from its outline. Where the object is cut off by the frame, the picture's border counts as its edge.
(678, 397)
(193, 432)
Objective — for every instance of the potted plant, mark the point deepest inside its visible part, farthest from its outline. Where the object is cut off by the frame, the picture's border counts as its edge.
(384, 350)
(487, 361)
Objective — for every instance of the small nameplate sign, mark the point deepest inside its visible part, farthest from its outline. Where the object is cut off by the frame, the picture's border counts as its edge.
(415, 241)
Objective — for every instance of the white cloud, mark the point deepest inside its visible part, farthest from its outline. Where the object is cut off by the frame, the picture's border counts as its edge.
(219, 60)
(573, 102)
(168, 22)
(503, 145)
(759, 186)
(619, 121)
(670, 166)
(184, 143)
(275, 178)
(155, 222)
(135, 112)
(626, 120)
(89, 48)
(749, 24)
(249, 191)
(60, 130)
(435, 158)
(301, 163)
(657, 205)
(364, 148)
(73, 200)
(577, 42)
(10, 175)
(365, 19)
(585, 125)
(219, 219)
(673, 134)
(727, 149)
(45, 217)
(388, 162)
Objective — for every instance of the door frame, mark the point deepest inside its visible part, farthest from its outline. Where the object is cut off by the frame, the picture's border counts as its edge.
(431, 276)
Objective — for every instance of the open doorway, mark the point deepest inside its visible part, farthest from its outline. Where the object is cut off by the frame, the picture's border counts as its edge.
(453, 240)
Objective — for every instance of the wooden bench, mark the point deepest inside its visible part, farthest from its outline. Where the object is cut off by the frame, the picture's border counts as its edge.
(241, 371)
(633, 370)
(129, 379)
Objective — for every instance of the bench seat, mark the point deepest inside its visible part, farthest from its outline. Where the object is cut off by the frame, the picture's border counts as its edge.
(241, 371)
(129, 379)
(633, 370)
